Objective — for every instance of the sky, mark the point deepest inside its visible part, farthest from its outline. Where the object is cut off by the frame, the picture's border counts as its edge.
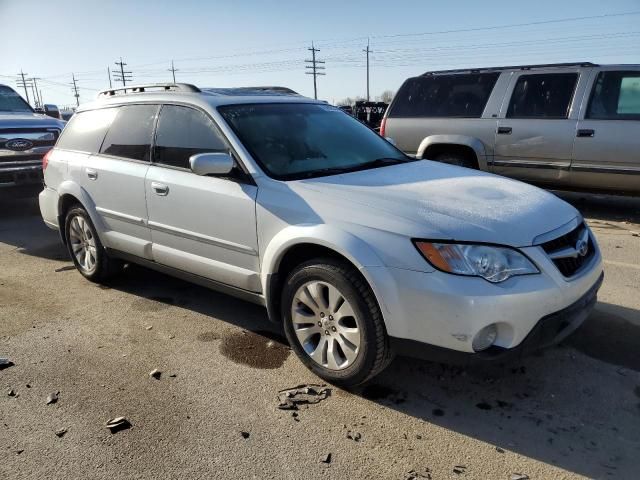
(250, 42)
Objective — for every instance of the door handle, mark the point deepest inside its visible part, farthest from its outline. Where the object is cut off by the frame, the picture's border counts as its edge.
(91, 173)
(504, 130)
(585, 132)
(160, 188)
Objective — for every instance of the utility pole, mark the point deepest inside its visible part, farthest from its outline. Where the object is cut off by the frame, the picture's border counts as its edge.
(315, 70)
(124, 75)
(35, 90)
(23, 83)
(75, 90)
(367, 51)
(173, 71)
(109, 75)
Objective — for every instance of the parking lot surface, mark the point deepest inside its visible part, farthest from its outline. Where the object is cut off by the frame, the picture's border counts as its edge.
(572, 411)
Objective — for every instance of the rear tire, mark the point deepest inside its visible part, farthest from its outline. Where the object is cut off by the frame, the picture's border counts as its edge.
(333, 322)
(86, 249)
(455, 159)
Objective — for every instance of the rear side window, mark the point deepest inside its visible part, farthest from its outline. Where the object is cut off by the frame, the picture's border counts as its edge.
(543, 95)
(182, 132)
(459, 95)
(615, 96)
(130, 133)
(86, 130)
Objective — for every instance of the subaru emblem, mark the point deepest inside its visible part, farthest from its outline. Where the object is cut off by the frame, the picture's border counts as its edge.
(582, 247)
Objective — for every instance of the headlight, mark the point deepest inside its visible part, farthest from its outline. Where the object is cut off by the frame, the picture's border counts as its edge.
(495, 264)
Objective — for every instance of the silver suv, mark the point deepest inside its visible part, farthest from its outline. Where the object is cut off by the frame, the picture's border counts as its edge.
(291, 203)
(572, 126)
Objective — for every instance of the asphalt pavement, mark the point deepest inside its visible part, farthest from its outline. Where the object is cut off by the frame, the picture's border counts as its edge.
(572, 411)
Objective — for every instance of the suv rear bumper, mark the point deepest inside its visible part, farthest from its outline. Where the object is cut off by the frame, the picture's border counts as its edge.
(549, 330)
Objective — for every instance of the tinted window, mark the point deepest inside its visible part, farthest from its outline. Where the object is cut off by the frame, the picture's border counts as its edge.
(298, 140)
(444, 95)
(86, 130)
(130, 133)
(10, 101)
(183, 132)
(545, 95)
(616, 96)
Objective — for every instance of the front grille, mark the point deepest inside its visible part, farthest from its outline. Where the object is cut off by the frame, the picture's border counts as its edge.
(564, 253)
(42, 140)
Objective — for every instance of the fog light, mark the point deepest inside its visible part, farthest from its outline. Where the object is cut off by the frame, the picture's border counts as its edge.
(485, 338)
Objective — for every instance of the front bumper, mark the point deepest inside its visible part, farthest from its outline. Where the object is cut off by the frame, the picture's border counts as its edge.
(23, 176)
(550, 330)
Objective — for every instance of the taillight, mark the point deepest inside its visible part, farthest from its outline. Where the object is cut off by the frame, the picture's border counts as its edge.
(383, 124)
(45, 160)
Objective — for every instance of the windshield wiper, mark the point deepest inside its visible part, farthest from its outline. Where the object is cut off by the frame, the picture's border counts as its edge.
(378, 162)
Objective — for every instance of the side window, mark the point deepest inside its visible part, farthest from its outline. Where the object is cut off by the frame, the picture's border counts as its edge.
(130, 133)
(86, 130)
(615, 96)
(543, 95)
(182, 132)
(458, 95)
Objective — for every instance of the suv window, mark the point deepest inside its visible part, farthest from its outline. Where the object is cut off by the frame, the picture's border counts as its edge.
(543, 95)
(182, 132)
(615, 96)
(130, 133)
(458, 95)
(86, 130)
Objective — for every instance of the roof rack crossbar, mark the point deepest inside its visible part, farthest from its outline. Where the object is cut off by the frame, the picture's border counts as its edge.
(513, 67)
(179, 87)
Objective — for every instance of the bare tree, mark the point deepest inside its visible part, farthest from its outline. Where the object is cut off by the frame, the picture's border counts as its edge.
(386, 96)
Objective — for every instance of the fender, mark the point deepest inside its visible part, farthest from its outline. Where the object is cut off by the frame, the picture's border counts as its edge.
(468, 141)
(346, 244)
(69, 187)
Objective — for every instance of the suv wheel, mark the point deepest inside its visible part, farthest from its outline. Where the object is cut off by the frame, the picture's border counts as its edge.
(455, 159)
(85, 248)
(333, 322)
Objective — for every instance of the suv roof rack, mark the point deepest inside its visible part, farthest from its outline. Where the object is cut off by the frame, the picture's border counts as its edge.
(166, 87)
(265, 90)
(513, 67)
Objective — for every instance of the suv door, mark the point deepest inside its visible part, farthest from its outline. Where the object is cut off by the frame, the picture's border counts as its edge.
(204, 225)
(605, 153)
(536, 128)
(114, 177)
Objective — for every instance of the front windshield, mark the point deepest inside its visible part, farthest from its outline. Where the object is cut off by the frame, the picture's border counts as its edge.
(10, 101)
(303, 140)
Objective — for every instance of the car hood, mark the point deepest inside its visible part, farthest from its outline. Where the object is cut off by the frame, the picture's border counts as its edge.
(28, 120)
(451, 202)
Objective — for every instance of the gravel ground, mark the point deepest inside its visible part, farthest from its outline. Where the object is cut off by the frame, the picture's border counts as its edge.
(570, 412)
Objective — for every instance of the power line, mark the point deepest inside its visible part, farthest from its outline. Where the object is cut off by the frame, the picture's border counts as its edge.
(75, 90)
(122, 76)
(367, 51)
(314, 68)
(173, 71)
(23, 83)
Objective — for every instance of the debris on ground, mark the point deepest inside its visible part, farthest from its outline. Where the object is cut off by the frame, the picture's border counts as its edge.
(415, 475)
(148, 327)
(519, 476)
(118, 423)
(295, 416)
(499, 450)
(459, 469)
(5, 363)
(11, 392)
(65, 268)
(61, 432)
(155, 373)
(355, 436)
(291, 398)
(52, 398)
(326, 459)
(19, 451)
(245, 435)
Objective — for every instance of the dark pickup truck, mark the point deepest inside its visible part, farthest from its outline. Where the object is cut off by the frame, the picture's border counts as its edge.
(25, 137)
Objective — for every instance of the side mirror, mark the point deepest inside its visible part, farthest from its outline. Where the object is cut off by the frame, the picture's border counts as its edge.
(211, 163)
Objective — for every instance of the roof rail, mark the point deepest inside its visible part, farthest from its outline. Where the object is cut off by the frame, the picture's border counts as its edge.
(513, 67)
(166, 87)
(260, 90)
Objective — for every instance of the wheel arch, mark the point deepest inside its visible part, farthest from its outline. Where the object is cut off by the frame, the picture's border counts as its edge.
(435, 144)
(70, 194)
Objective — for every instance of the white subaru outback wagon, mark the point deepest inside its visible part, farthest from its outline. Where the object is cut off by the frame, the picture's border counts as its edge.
(358, 249)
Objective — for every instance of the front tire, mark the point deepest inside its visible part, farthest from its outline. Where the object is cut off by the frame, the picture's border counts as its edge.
(333, 322)
(85, 249)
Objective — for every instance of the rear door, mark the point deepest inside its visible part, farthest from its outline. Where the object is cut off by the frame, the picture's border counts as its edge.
(536, 126)
(200, 224)
(114, 177)
(606, 152)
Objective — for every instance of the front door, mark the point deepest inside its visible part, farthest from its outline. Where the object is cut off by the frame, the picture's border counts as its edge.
(200, 224)
(535, 131)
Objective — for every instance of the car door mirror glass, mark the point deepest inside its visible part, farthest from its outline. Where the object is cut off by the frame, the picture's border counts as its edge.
(211, 163)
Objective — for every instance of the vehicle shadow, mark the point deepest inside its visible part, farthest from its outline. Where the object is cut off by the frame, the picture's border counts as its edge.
(604, 207)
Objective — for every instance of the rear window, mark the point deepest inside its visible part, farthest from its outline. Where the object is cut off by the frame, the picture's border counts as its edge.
(543, 95)
(616, 96)
(130, 133)
(455, 95)
(86, 130)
